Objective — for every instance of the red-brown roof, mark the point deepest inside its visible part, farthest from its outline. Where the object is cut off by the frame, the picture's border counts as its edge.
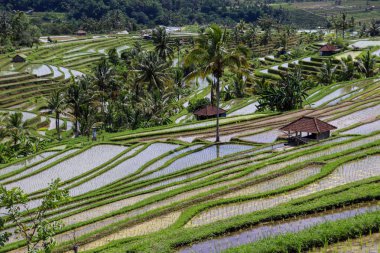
(209, 110)
(309, 125)
(328, 48)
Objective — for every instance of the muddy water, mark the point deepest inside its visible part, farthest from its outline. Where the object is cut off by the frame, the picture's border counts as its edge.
(261, 232)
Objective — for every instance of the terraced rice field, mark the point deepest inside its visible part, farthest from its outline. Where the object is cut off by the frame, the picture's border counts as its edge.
(123, 184)
(171, 189)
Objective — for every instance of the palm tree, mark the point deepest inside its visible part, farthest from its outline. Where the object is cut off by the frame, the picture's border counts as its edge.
(161, 40)
(345, 23)
(213, 58)
(334, 24)
(177, 44)
(367, 64)
(327, 72)
(17, 127)
(153, 71)
(79, 92)
(56, 104)
(374, 28)
(347, 69)
(104, 78)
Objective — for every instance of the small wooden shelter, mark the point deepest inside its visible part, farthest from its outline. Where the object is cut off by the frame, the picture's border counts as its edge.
(307, 129)
(209, 112)
(19, 58)
(81, 33)
(328, 50)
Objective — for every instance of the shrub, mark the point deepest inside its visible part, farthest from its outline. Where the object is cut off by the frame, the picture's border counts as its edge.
(197, 104)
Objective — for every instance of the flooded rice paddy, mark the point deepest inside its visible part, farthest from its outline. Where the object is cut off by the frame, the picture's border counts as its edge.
(357, 117)
(199, 157)
(27, 162)
(69, 168)
(347, 173)
(365, 128)
(124, 169)
(40, 165)
(249, 109)
(265, 231)
(265, 137)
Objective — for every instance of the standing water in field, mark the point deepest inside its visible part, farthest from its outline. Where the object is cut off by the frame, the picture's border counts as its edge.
(241, 238)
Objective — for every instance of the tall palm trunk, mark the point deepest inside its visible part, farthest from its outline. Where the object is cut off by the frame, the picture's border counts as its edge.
(179, 52)
(217, 108)
(76, 115)
(212, 96)
(57, 125)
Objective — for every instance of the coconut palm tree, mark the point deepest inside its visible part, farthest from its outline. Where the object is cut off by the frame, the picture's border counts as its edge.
(17, 128)
(327, 72)
(161, 41)
(177, 44)
(79, 92)
(56, 104)
(367, 64)
(153, 71)
(347, 69)
(213, 58)
(374, 28)
(104, 79)
(344, 23)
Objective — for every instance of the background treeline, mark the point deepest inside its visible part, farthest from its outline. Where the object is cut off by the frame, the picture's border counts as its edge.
(95, 15)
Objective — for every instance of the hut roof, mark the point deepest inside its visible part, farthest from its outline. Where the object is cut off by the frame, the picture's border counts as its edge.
(209, 110)
(328, 48)
(21, 55)
(309, 125)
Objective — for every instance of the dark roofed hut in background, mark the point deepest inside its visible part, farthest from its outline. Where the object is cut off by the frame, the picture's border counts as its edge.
(81, 33)
(328, 50)
(209, 112)
(307, 129)
(19, 58)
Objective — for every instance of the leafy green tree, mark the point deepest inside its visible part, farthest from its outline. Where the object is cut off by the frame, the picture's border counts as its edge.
(198, 104)
(285, 95)
(213, 58)
(39, 232)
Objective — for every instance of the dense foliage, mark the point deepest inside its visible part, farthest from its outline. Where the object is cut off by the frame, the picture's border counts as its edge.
(16, 30)
(105, 14)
